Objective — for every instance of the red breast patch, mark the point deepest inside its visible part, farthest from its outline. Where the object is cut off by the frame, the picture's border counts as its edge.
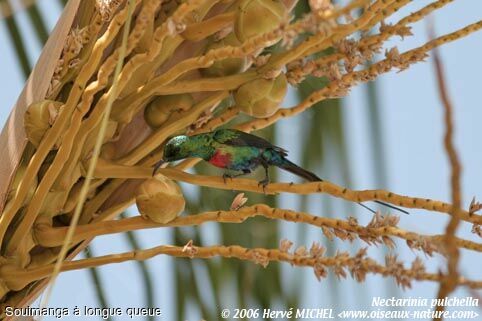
(220, 160)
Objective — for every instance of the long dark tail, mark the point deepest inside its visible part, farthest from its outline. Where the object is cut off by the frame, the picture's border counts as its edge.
(309, 176)
(301, 172)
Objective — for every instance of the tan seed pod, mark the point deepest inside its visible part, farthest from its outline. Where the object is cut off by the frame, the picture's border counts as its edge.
(255, 17)
(261, 97)
(228, 66)
(160, 200)
(161, 108)
(38, 118)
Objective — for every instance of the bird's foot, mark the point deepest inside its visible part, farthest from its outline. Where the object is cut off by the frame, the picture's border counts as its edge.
(264, 183)
(226, 176)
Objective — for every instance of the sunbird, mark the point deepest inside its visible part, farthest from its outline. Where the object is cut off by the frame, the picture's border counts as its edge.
(238, 151)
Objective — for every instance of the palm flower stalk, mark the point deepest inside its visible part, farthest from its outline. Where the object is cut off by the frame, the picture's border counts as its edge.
(186, 68)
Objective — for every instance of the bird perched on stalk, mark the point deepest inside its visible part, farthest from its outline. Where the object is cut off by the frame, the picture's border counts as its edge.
(237, 151)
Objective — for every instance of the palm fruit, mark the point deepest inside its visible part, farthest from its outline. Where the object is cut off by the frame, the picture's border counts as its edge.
(228, 66)
(255, 17)
(160, 199)
(161, 108)
(261, 97)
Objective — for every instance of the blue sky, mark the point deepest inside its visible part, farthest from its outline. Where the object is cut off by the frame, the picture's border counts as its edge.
(412, 126)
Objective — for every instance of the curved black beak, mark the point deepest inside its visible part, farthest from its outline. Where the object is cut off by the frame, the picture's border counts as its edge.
(157, 165)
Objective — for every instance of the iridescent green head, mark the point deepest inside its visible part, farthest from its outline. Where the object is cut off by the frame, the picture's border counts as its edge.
(176, 148)
(181, 147)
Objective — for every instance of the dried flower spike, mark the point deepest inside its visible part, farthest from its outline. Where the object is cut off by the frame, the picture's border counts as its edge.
(190, 249)
(285, 245)
(474, 206)
(238, 202)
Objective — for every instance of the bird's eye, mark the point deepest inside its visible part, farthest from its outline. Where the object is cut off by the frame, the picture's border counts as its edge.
(171, 151)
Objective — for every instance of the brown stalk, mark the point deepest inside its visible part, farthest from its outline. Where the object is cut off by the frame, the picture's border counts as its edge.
(359, 265)
(328, 33)
(53, 236)
(449, 281)
(366, 43)
(243, 184)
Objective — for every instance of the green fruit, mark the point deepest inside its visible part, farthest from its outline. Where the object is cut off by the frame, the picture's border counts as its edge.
(261, 97)
(255, 17)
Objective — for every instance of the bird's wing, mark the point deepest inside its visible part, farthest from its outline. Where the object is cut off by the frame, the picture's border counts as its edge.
(235, 137)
